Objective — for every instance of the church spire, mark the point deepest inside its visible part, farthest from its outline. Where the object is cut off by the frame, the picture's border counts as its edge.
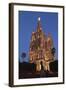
(39, 24)
(39, 18)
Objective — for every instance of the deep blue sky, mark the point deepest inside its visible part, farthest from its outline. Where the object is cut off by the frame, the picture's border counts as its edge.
(28, 23)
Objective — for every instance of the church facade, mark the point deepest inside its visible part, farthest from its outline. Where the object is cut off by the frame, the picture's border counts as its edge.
(40, 51)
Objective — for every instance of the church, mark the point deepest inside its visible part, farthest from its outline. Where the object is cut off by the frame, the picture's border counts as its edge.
(40, 48)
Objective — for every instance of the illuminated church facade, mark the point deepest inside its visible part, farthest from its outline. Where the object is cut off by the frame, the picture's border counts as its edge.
(40, 49)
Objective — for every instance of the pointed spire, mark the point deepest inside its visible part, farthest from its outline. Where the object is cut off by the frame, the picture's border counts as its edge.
(39, 24)
(49, 36)
(39, 19)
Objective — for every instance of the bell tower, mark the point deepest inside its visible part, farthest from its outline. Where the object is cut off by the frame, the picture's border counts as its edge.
(40, 48)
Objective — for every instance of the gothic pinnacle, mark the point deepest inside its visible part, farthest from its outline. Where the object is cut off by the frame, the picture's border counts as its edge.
(38, 18)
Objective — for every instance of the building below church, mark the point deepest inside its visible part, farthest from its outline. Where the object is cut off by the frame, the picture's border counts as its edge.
(40, 51)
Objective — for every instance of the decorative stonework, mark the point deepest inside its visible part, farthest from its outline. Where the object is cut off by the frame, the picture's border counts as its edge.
(40, 48)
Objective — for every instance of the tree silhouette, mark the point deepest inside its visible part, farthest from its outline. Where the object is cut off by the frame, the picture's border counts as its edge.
(53, 51)
(23, 55)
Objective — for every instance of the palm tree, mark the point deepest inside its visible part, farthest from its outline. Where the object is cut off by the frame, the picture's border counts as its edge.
(23, 55)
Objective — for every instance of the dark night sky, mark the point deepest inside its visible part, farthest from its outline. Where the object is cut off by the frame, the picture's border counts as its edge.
(28, 24)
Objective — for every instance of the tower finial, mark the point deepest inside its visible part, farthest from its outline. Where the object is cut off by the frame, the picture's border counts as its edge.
(39, 25)
(39, 18)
